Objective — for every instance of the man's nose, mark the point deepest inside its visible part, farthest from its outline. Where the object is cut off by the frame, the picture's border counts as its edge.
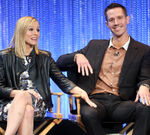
(116, 21)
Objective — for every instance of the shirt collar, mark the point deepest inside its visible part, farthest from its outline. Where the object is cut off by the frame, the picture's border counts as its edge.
(125, 46)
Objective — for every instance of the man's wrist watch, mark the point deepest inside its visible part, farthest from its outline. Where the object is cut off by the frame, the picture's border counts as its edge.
(146, 85)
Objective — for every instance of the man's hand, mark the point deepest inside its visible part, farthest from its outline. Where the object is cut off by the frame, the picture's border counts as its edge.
(84, 95)
(143, 94)
(83, 64)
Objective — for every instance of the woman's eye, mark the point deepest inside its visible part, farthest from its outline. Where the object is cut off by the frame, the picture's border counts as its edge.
(31, 29)
(38, 30)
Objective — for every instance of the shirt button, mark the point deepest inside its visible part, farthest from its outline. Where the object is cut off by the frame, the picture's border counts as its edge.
(113, 90)
(112, 73)
(110, 84)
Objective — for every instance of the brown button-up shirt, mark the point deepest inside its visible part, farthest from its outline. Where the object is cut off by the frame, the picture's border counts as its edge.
(110, 70)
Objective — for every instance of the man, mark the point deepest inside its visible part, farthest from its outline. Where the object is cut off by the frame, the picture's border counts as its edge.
(115, 74)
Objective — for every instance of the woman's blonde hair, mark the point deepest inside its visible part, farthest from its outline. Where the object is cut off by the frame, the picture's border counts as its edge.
(18, 40)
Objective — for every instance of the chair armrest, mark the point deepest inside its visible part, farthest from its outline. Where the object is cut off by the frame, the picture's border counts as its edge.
(57, 93)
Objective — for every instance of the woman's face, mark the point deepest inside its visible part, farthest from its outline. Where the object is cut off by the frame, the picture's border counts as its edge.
(32, 34)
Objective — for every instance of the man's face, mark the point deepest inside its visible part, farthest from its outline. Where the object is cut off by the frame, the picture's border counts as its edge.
(117, 21)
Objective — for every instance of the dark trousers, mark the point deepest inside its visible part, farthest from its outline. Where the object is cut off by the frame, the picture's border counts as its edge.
(111, 107)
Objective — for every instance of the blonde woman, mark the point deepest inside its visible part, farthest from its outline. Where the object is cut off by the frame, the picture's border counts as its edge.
(24, 79)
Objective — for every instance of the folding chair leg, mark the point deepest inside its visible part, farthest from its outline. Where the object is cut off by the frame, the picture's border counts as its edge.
(50, 126)
(126, 127)
(130, 133)
(40, 127)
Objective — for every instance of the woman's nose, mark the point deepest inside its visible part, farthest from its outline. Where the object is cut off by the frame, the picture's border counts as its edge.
(35, 32)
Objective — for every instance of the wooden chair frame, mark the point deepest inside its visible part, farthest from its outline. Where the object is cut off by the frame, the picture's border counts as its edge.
(128, 129)
(48, 124)
(57, 118)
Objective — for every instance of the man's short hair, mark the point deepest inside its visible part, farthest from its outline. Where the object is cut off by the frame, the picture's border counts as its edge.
(115, 5)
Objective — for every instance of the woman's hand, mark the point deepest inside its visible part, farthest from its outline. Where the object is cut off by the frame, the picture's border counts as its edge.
(143, 94)
(84, 95)
(36, 95)
(31, 91)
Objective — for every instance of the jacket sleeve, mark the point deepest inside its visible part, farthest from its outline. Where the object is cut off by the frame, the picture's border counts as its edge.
(66, 61)
(144, 76)
(62, 81)
(4, 90)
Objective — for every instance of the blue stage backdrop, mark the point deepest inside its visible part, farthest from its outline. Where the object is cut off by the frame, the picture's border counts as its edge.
(68, 25)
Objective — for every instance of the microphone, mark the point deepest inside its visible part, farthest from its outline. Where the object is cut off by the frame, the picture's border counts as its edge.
(116, 53)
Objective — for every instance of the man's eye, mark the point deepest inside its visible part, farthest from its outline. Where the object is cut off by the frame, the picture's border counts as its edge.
(38, 30)
(110, 20)
(120, 17)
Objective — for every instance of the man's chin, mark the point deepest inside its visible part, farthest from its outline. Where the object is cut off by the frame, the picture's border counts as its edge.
(118, 35)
